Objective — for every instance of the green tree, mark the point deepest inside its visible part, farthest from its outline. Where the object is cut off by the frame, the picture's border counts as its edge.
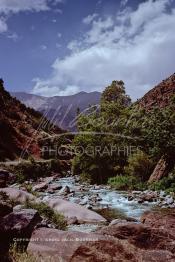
(115, 93)
(139, 166)
(101, 129)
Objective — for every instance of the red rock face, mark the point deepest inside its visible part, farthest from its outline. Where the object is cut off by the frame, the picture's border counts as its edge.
(159, 96)
(163, 220)
(20, 128)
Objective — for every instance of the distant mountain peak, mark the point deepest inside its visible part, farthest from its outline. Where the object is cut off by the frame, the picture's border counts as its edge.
(61, 109)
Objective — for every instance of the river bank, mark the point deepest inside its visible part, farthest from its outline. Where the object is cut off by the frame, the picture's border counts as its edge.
(102, 199)
(100, 219)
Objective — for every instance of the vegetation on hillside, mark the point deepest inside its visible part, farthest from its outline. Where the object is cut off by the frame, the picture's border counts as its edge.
(32, 170)
(121, 143)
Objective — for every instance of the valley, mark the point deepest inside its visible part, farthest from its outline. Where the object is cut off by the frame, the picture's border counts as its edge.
(118, 200)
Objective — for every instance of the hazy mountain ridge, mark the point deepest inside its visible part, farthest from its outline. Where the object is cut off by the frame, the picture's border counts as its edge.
(62, 110)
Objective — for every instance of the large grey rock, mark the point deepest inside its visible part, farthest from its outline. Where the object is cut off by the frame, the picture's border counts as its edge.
(21, 222)
(72, 221)
(17, 195)
(55, 245)
(117, 221)
(40, 187)
(125, 241)
(55, 186)
(169, 200)
(69, 210)
(17, 226)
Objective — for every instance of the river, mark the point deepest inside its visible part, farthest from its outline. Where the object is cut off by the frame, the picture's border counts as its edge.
(108, 199)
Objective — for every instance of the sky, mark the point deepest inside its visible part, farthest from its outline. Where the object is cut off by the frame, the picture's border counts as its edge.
(62, 47)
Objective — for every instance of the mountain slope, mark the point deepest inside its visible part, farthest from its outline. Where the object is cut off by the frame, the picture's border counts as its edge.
(61, 110)
(160, 95)
(20, 127)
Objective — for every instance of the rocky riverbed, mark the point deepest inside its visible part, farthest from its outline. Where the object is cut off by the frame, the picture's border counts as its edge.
(100, 198)
(103, 224)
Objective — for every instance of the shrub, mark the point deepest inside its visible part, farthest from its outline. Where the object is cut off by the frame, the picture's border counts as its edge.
(167, 184)
(85, 178)
(126, 183)
(18, 256)
(4, 196)
(139, 166)
(34, 170)
(47, 212)
(30, 170)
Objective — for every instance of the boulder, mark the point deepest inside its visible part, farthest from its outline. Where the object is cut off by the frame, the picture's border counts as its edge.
(57, 176)
(55, 187)
(140, 236)
(88, 206)
(18, 208)
(163, 219)
(5, 208)
(72, 221)
(16, 226)
(21, 223)
(40, 187)
(140, 201)
(17, 195)
(6, 177)
(55, 245)
(169, 200)
(130, 197)
(69, 210)
(107, 250)
(84, 202)
(117, 221)
(65, 190)
(111, 250)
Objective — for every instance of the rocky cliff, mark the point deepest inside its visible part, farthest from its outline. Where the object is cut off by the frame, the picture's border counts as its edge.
(20, 127)
(160, 95)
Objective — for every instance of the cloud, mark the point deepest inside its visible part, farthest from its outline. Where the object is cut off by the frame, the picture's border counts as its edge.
(15, 6)
(43, 47)
(88, 19)
(59, 35)
(3, 25)
(123, 2)
(9, 7)
(136, 46)
(13, 36)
